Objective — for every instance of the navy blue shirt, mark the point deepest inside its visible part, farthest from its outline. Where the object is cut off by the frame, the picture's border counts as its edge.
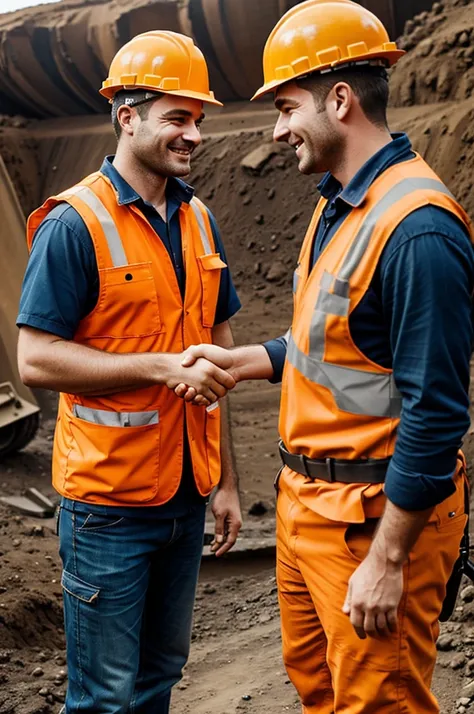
(61, 287)
(416, 318)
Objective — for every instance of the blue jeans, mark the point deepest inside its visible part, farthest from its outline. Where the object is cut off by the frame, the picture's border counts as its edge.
(129, 586)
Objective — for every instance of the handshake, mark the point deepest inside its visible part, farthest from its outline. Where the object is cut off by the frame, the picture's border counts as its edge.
(202, 374)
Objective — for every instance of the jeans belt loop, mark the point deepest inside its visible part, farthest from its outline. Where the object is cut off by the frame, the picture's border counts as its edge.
(331, 471)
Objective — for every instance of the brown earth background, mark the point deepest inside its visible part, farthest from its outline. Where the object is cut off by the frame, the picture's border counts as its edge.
(263, 207)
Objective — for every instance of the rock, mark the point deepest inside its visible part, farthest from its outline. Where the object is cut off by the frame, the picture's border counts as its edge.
(470, 667)
(37, 672)
(464, 40)
(277, 272)
(264, 618)
(462, 710)
(3, 590)
(425, 47)
(50, 699)
(463, 702)
(209, 589)
(247, 200)
(467, 593)
(246, 697)
(257, 268)
(43, 657)
(44, 691)
(445, 643)
(275, 247)
(5, 656)
(251, 244)
(222, 154)
(16, 542)
(294, 218)
(37, 531)
(259, 219)
(271, 194)
(257, 158)
(437, 8)
(243, 190)
(458, 661)
(257, 509)
(468, 690)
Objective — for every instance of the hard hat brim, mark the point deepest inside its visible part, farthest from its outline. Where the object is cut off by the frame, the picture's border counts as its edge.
(391, 55)
(110, 92)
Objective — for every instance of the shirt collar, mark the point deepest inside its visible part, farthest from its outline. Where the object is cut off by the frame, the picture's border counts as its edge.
(177, 191)
(399, 149)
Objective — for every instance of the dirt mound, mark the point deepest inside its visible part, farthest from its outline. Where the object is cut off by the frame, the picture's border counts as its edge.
(439, 65)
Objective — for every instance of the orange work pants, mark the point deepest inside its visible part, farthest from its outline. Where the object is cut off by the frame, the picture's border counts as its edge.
(333, 670)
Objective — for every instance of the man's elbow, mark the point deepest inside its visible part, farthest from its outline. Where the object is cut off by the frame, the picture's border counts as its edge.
(30, 373)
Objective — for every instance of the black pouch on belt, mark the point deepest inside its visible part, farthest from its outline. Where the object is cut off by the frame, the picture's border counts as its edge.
(463, 566)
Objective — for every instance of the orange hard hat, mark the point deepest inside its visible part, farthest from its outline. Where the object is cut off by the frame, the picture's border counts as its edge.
(160, 61)
(322, 35)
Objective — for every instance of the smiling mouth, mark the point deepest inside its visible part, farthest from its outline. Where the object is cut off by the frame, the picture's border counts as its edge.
(180, 152)
(298, 145)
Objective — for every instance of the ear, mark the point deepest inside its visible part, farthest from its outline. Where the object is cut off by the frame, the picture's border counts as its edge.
(126, 117)
(341, 99)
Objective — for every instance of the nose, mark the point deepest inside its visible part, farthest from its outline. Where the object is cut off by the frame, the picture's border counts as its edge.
(281, 131)
(192, 134)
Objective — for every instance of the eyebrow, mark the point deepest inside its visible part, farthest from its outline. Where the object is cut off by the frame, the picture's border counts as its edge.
(281, 101)
(181, 113)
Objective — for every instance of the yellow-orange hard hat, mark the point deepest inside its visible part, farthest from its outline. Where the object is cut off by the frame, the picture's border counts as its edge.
(323, 35)
(160, 61)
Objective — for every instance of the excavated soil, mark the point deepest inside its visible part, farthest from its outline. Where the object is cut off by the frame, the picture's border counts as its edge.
(263, 207)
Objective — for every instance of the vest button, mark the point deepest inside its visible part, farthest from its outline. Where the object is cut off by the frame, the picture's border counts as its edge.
(129, 276)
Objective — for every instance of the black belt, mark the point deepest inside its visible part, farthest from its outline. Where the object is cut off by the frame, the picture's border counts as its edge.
(363, 471)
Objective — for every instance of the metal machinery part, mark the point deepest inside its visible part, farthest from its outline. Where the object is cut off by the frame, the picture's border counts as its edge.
(54, 57)
(19, 412)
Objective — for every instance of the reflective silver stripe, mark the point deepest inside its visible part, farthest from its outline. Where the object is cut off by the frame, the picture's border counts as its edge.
(327, 280)
(296, 279)
(111, 233)
(362, 239)
(107, 418)
(355, 391)
(326, 304)
(202, 228)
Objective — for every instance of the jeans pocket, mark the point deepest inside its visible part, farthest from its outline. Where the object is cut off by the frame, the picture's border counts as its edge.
(95, 521)
(79, 589)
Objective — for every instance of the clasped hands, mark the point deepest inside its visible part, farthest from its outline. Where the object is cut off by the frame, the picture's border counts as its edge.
(204, 374)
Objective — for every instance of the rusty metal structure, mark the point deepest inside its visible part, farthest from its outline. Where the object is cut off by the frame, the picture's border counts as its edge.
(19, 412)
(53, 58)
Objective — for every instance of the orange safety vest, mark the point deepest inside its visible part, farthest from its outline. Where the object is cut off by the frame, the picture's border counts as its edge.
(127, 448)
(336, 402)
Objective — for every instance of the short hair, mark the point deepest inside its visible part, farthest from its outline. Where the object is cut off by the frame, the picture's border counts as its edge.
(369, 84)
(139, 98)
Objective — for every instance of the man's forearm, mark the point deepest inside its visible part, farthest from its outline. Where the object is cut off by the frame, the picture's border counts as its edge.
(251, 362)
(397, 534)
(70, 367)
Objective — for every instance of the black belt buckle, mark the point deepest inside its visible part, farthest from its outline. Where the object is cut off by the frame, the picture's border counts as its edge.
(330, 470)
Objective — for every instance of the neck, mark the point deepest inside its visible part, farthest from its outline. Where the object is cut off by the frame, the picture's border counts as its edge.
(150, 186)
(358, 152)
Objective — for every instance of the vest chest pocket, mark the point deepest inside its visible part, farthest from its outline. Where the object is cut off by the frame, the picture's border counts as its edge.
(128, 303)
(211, 267)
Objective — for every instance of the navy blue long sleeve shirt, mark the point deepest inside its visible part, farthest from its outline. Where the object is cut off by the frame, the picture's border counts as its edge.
(416, 318)
(61, 287)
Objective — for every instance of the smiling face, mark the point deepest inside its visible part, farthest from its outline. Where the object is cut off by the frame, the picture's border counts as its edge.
(305, 125)
(164, 140)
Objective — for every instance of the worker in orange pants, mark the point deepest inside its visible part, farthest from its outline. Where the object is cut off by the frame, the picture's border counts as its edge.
(332, 669)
